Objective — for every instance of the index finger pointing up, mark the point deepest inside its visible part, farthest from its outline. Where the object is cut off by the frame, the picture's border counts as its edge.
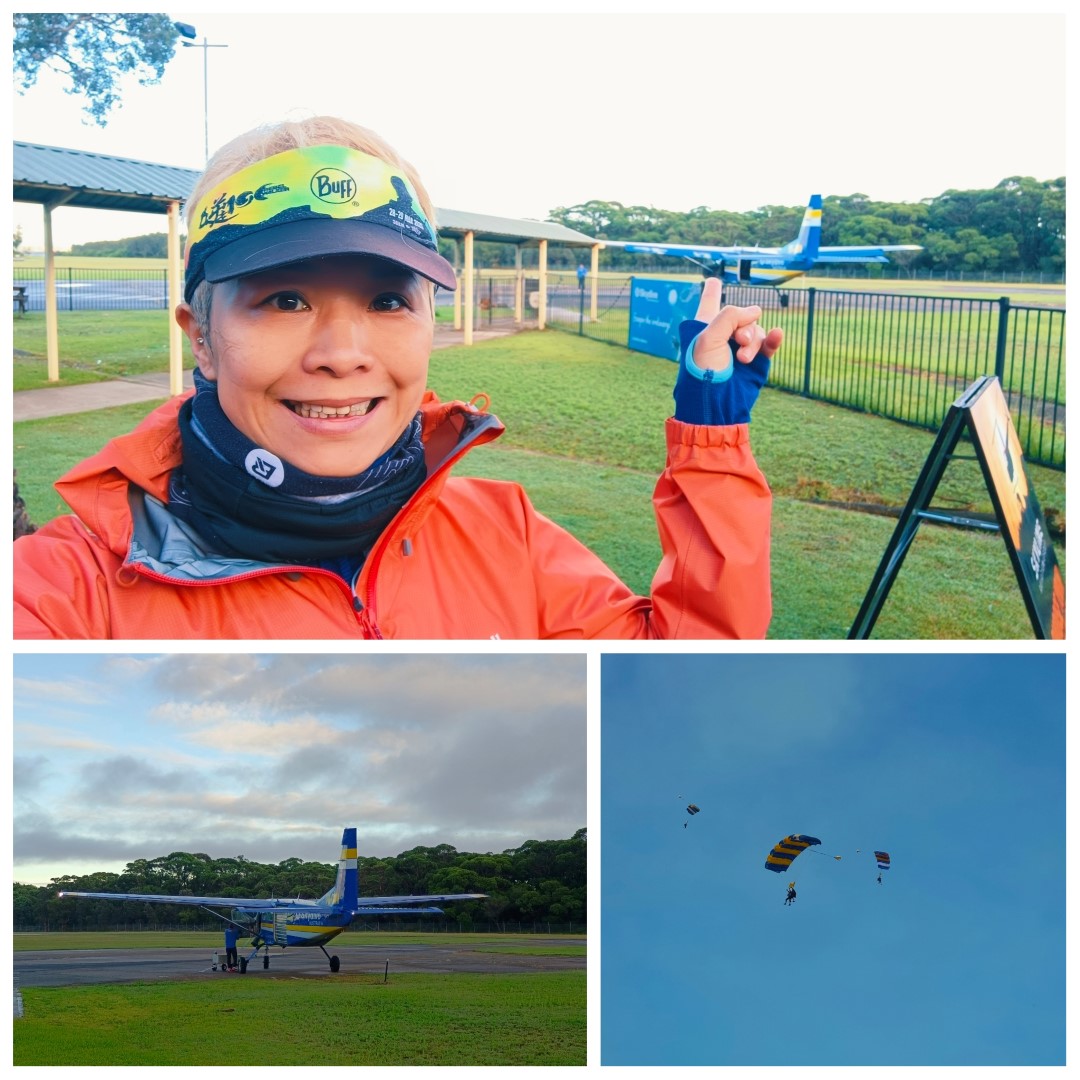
(712, 292)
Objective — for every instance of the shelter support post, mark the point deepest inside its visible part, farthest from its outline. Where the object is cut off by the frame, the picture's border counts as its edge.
(52, 336)
(541, 316)
(519, 284)
(176, 336)
(52, 332)
(468, 301)
(457, 291)
(594, 275)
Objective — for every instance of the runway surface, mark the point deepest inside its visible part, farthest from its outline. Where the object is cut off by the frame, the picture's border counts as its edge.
(86, 967)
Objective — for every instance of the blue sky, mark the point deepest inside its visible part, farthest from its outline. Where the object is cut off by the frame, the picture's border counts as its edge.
(671, 108)
(954, 764)
(120, 757)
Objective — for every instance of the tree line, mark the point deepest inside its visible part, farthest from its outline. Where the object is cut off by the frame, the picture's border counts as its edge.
(1017, 226)
(540, 881)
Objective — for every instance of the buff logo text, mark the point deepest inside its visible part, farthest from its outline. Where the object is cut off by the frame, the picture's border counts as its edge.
(333, 186)
(224, 207)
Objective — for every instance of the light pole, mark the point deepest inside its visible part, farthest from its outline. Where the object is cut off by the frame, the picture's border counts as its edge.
(186, 30)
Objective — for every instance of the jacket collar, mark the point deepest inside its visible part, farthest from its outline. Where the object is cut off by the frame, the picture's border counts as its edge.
(104, 490)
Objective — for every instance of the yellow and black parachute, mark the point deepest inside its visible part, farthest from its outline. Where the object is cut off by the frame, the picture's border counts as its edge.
(781, 856)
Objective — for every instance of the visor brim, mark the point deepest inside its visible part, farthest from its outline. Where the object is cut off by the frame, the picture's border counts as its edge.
(295, 241)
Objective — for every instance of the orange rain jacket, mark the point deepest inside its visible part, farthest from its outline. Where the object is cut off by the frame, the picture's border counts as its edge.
(464, 558)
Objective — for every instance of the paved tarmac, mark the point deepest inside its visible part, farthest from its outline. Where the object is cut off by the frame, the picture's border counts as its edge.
(89, 397)
(84, 967)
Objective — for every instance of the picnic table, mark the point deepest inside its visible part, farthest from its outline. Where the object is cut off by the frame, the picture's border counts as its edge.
(18, 296)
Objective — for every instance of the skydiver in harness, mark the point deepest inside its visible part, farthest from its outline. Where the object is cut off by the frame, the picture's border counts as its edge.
(790, 893)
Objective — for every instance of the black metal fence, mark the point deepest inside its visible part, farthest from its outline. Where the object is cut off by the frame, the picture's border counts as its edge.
(569, 306)
(899, 356)
(494, 299)
(80, 289)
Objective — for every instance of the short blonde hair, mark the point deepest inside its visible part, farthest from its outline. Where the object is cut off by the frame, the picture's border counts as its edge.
(270, 139)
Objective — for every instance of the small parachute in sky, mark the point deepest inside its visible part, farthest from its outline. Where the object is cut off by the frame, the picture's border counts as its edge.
(692, 809)
(883, 863)
(786, 850)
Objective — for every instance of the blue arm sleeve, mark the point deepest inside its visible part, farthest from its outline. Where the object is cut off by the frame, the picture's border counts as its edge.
(707, 396)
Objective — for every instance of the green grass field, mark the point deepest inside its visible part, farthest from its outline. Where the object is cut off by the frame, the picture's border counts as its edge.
(585, 438)
(94, 345)
(414, 1019)
(342, 1019)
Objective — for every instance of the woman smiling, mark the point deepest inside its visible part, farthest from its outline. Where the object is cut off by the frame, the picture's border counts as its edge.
(304, 490)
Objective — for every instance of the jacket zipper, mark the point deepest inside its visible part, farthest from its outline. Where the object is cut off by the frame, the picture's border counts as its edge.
(393, 531)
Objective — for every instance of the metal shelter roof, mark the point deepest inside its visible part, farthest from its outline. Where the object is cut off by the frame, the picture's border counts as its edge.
(43, 174)
(456, 223)
(55, 176)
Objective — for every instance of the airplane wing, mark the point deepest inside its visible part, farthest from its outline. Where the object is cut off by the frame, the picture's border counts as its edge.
(382, 901)
(687, 251)
(201, 901)
(860, 254)
(275, 903)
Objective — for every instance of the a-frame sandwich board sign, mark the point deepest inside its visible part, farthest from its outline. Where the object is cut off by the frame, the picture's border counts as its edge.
(983, 413)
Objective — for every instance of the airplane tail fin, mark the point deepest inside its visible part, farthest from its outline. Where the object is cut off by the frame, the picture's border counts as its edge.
(346, 890)
(809, 238)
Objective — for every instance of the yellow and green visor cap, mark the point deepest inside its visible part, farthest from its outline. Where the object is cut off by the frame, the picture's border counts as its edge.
(306, 203)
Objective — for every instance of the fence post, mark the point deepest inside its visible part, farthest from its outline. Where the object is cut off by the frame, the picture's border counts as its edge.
(809, 339)
(1003, 328)
(71, 292)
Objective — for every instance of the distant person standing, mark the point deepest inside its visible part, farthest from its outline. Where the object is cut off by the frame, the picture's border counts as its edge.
(230, 948)
(581, 276)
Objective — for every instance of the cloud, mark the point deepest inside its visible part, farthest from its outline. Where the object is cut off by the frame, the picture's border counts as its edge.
(65, 690)
(123, 777)
(261, 738)
(271, 756)
(29, 734)
(29, 772)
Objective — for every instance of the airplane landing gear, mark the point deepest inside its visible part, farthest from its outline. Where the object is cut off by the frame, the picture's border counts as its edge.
(335, 962)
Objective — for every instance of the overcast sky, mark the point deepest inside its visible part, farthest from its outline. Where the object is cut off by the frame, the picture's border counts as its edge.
(952, 763)
(515, 115)
(126, 757)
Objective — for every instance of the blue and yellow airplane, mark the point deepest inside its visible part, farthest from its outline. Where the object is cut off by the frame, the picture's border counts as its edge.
(298, 923)
(769, 266)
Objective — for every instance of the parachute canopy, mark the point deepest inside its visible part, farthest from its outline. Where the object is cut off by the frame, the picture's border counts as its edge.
(781, 856)
(692, 809)
(882, 859)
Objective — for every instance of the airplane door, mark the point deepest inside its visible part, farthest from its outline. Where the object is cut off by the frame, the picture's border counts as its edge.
(281, 932)
(745, 269)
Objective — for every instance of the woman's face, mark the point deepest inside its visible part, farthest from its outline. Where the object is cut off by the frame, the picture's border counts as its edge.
(322, 362)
